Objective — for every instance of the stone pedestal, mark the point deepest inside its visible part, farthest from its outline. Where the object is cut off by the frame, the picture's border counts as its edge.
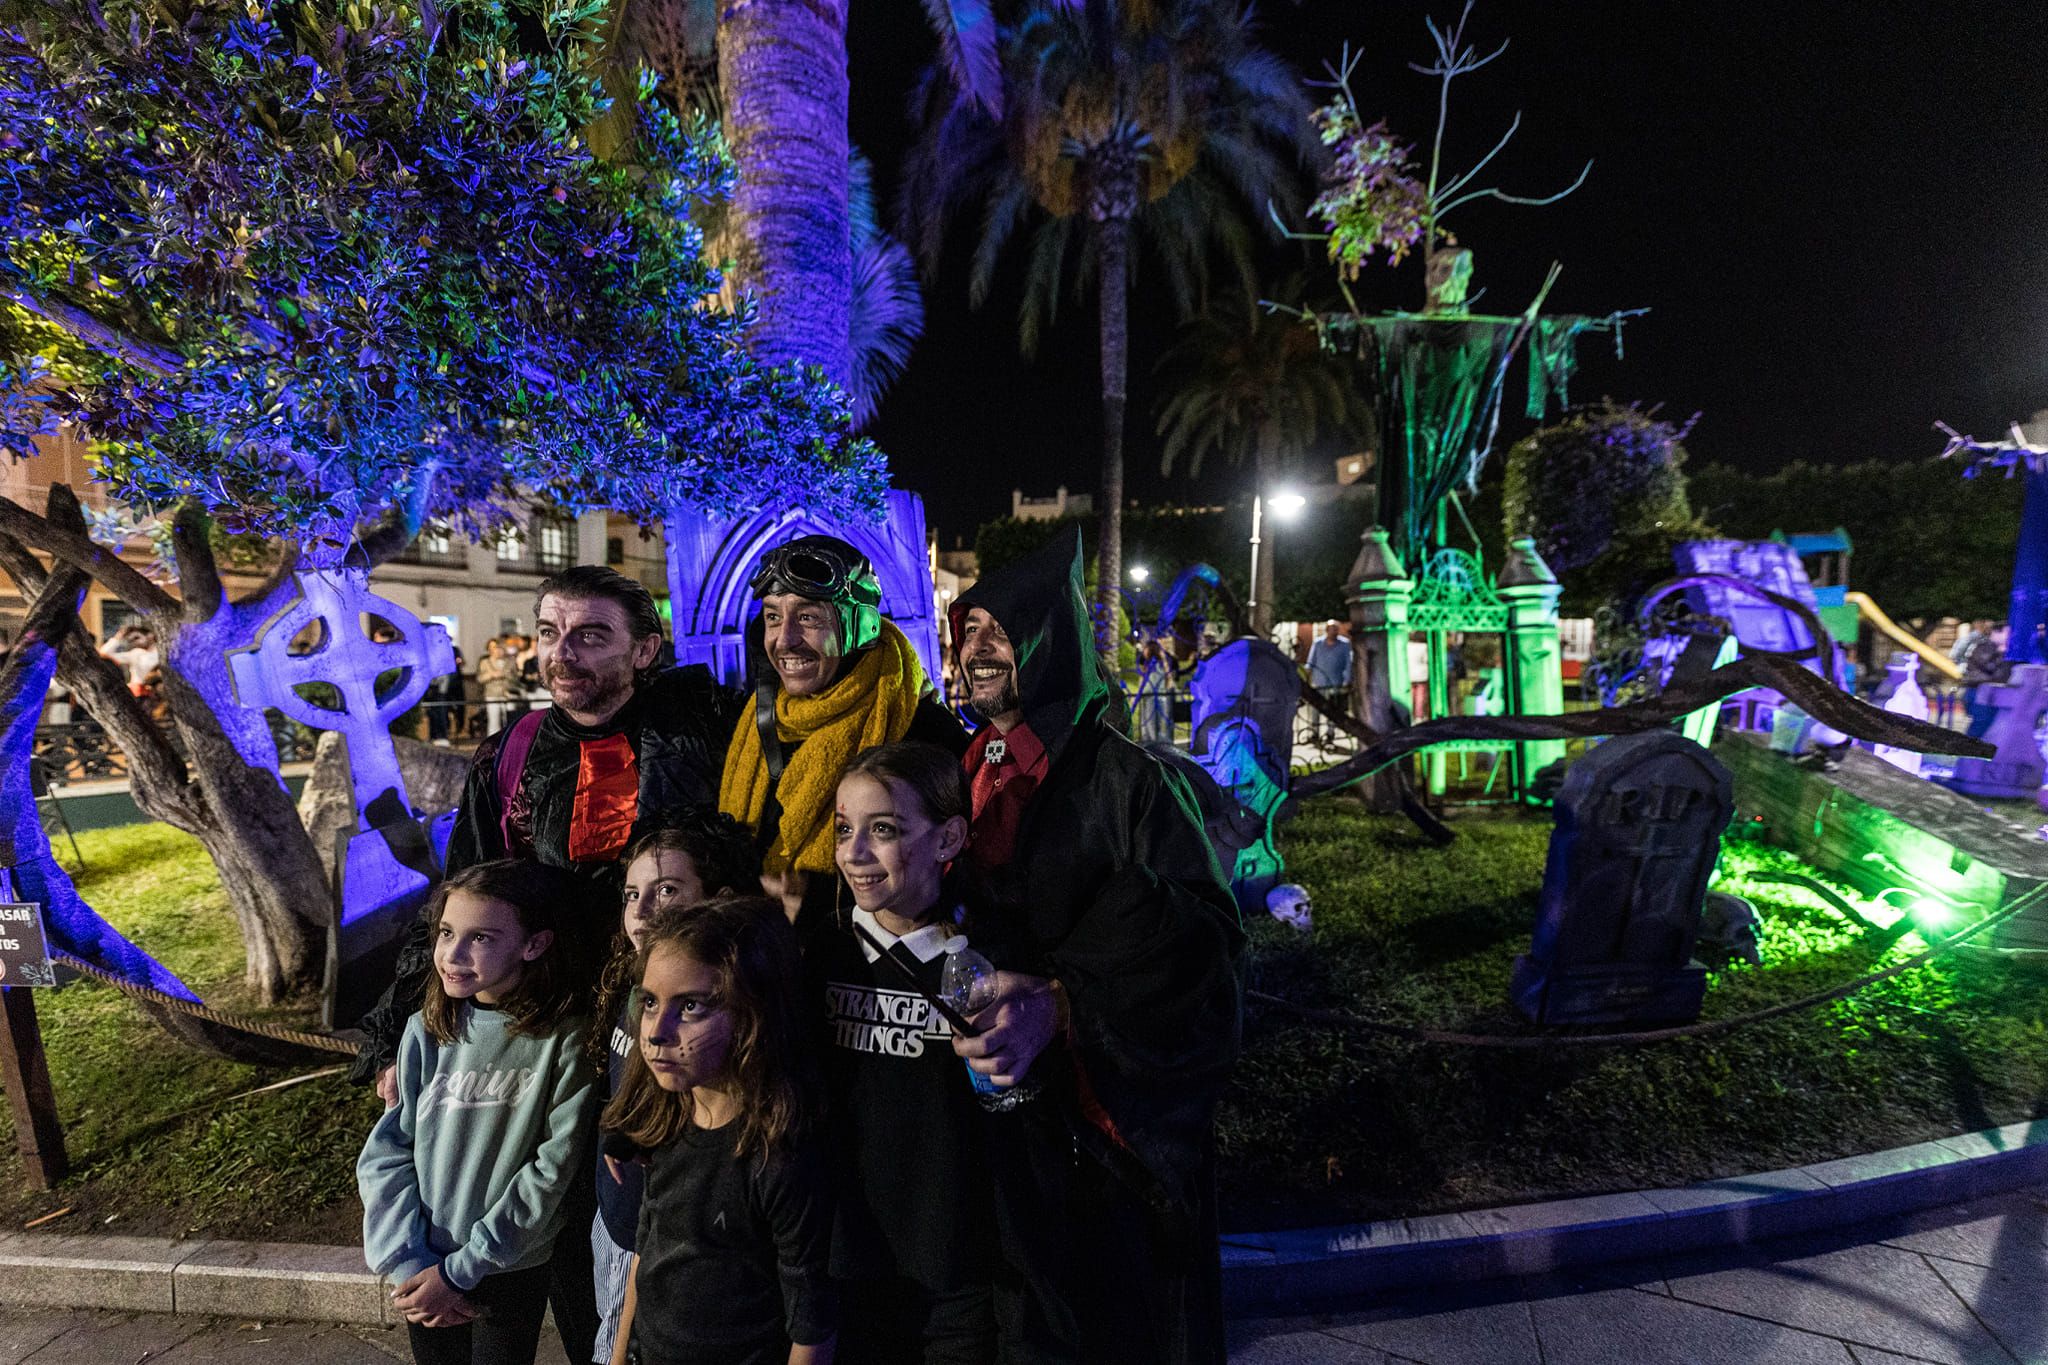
(1535, 654)
(1377, 592)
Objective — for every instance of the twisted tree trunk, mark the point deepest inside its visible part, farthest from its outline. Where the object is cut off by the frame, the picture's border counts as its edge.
(223, 789)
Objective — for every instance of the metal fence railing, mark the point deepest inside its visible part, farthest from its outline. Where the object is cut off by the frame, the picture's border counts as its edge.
(82, 750)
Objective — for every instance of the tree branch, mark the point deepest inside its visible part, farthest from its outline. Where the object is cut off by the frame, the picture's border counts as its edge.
(92, 332)
(52, 618)
(198, 570)
(25, 569)
(157, 775)
(392, 533)
(75, 547)
(279, 580)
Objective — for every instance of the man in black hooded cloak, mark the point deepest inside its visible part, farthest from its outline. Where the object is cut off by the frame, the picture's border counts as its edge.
(1118, 997)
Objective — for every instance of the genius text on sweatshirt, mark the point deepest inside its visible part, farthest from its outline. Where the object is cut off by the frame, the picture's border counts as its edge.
(469, 1168)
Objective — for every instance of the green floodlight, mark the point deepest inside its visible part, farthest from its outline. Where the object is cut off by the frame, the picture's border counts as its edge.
(1931, 915)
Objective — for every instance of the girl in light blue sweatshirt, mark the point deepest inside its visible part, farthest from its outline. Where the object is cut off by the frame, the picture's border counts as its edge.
(462, 1180)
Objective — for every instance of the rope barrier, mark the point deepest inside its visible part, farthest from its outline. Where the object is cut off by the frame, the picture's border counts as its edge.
(322, 1042)
(1410, 1033)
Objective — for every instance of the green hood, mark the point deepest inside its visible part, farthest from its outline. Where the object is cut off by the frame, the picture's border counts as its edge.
(1039, 603)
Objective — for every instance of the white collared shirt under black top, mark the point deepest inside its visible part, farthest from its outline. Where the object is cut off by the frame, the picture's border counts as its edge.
(906, 1129)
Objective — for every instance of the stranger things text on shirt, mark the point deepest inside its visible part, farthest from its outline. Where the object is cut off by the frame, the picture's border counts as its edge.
(890, 1023)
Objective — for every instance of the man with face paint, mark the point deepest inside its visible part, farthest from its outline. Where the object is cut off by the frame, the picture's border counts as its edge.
(831, 677)
(1118, 994)
(628, 738)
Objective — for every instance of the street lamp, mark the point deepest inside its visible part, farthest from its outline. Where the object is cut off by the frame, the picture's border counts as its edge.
(1139, 573)
(1287, 505)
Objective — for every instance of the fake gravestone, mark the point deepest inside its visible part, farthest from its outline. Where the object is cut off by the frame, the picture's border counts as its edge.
(2016, 769)
(1639, 823)
(1244, 697)
(391, 859)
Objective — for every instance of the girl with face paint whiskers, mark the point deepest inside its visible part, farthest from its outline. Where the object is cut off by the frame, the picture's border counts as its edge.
(735, 1224)
(694, 855)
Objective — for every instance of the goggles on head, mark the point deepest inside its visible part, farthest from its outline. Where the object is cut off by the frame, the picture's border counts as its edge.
(826, 569)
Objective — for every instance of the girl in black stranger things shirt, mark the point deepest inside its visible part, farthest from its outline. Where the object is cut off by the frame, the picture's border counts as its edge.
(694, 855)
(736, 1223)
(912, 1246)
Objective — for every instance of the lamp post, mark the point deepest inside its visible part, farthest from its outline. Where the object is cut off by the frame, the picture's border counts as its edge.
(1286, 506)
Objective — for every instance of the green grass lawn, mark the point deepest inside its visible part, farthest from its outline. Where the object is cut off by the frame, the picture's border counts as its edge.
(1320, 1126)
(164, 1139)
(1323, 1125)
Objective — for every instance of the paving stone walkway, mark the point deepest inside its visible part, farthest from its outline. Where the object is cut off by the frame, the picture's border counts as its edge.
(1966, 1285)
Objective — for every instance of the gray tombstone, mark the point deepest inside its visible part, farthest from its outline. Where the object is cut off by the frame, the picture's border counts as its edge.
(1639, 824)
(2016, 769)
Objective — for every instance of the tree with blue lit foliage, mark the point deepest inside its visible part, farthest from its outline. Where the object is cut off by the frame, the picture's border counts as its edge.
(317, 270)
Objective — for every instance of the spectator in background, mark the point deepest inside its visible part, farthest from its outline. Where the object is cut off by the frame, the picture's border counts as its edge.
(1966, 638)
(526, 657)
(59, 699)
(1155, 694)
(1329, 672)
(498, 677)
(134, 648)
(444, 704)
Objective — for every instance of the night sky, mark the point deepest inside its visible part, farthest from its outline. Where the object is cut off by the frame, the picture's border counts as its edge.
(1836, 212)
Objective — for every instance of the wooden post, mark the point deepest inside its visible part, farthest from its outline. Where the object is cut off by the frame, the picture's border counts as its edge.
(29, 1096)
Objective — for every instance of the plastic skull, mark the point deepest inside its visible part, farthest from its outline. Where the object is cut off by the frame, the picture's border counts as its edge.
(1733, 923)
(1289, 904)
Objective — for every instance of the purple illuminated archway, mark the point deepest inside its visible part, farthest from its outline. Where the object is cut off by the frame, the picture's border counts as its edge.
(711, 558)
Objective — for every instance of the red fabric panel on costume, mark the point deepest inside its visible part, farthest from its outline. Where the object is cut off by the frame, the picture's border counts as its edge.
(1001, 787)
(607, 799)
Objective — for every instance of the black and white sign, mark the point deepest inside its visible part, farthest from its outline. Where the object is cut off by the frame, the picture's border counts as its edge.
(24, 952)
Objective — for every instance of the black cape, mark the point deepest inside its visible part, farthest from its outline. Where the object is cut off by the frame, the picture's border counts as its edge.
(1114, 890)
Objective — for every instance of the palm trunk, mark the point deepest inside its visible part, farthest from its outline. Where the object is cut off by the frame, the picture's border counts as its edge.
(1265, 466)
(782, 67)
(1113, 240)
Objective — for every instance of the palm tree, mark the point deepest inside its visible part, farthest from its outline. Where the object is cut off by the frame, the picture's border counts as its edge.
(885, 316)
(884, 311)
(1160, 116)
(1254, 380)
(792, 232)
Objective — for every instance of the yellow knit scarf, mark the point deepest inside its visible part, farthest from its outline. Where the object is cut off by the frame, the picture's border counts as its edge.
(871, 705)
